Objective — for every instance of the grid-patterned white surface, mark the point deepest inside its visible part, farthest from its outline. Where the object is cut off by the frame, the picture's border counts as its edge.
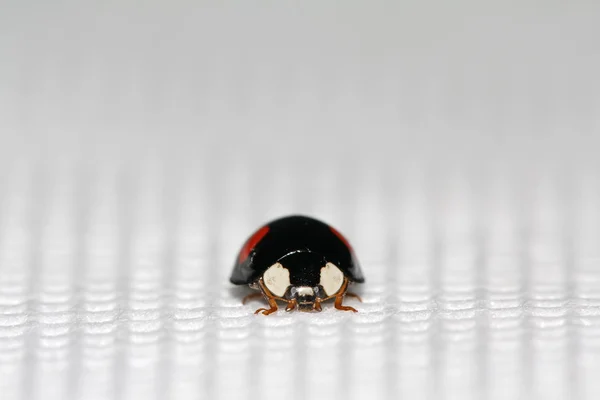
(455, 145)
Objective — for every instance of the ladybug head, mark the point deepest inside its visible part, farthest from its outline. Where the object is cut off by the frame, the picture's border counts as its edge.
(305, 296)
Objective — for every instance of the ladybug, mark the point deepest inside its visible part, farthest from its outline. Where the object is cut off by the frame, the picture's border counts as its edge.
(300, 261)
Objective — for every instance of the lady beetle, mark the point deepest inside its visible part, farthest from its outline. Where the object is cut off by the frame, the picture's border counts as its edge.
(300, 261)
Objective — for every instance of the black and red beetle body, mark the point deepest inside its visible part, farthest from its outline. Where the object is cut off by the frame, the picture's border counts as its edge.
(298, 260)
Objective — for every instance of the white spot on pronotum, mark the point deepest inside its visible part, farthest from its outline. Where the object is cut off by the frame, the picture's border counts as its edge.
(331, 279)
(277, 279)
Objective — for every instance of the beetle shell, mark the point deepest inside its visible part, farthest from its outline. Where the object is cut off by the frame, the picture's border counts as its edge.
(301, 245)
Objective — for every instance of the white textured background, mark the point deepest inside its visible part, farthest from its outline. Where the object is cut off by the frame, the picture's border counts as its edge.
(454, 143)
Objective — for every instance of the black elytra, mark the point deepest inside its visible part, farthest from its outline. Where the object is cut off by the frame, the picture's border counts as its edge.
(301, 244)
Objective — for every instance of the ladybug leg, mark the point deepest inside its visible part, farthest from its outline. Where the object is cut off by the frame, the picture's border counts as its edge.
(271, 310)
(357, 297)
(291, 305)
(269, 297)
(339, 306)
(317, 305)
(340, 297)
(251, 296)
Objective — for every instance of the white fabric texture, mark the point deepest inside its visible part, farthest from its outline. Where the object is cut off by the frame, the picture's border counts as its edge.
(455, 145)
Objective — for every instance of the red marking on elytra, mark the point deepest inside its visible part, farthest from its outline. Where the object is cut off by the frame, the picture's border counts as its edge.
(341, 237)
(252, 242)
